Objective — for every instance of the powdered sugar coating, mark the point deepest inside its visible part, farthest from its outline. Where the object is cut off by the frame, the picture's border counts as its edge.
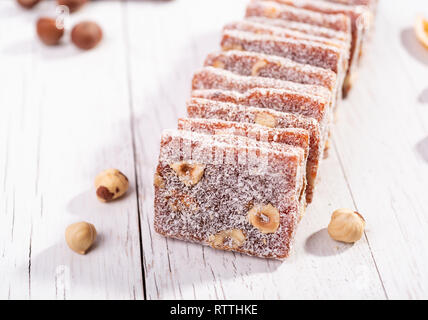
(243, 63)
(210, 109)
(302, 51)
(226, 192)
(271, 9)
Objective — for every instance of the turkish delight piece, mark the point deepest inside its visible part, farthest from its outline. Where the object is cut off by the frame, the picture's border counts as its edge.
(341, 36)
(301, 51)
(359, 16)
(215, 78)
(276, 99)
(260, 28)
(261, 65)
(274, 10)
(229, 192)
(210, 109)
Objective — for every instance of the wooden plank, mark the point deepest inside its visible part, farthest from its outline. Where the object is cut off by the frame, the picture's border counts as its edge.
(65, 117)
(163, 58)
(381, 138)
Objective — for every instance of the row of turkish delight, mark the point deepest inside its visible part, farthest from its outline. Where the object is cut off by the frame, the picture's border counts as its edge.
(240, 171)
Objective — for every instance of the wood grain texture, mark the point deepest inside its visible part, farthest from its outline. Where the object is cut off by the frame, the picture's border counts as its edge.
(65, 115)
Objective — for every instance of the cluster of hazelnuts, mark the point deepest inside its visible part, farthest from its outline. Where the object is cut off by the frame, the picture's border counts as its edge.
(85, 35)
(110, 184)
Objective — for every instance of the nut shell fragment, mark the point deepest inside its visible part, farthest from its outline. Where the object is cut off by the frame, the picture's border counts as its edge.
(265, 218)
(346, 226)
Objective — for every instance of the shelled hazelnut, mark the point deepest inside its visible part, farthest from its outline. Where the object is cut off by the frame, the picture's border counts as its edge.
(264, 218)
(80, 236)
(48, 32)
(73, 5)
(27, 4)
(346, 225)
(86, 35)
(111, 184)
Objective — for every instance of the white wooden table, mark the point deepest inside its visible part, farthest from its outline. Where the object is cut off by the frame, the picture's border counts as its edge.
(65, 115)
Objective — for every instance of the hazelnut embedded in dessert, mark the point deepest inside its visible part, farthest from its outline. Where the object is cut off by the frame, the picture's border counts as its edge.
(265, 218)
(257, 66)
(86, 35)
(235, 236)
(346, 225)
(80, 236)
(48, 32)
(189, 173)
(265, 119)
(218, 64)
(111, 184)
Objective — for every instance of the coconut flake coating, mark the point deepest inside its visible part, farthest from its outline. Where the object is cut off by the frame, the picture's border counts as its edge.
(276, 137)
(360, 24)
(260, 28)
(226, 192)
(276, 99)
(216, 78)
(271, 9)
(252, 63)
(307, 28)
(210, 109)
(301, 51)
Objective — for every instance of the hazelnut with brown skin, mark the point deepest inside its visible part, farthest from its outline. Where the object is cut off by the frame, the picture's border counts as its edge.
(111, 184)
(48, 32)
(73, 5)
(80, 236)
(86, 35)
(27, 4)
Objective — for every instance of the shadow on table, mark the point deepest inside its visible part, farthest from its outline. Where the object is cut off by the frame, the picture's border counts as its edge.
(423, 97)
(413, 47)
(422, 148)
(321, 244)
(57, 270)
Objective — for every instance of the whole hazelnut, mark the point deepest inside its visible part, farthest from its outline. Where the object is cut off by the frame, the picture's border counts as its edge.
(73, 5)
(27, 4)
(80, 236)
(48, 32)
(86, 35)
(346, 225)
(111, 184)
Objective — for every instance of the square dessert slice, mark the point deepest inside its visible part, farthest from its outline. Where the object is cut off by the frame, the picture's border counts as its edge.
(300, 51)
(216, 78)
(261, 65)
(360, 17)
(276, 99)
(210, 109)
(307, 28)
(291, 136)
(206, 193)
(275, 10)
